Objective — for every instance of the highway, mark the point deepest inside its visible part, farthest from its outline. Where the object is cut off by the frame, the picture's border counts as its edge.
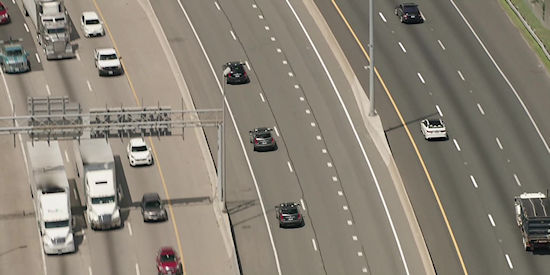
(496, 149)
(319, 161)
(181, 172)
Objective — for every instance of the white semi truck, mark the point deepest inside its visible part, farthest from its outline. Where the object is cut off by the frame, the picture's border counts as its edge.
(96, 169)
(53, 29)
(50, 192)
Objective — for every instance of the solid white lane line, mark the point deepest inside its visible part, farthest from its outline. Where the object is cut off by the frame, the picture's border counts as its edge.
(441, 44)
(509, 262)
(314, 244)
(491, 220)
(233, 35)
(77, 55)
(312, 124)
(37, 57)
(517, 180)
(439, 110)
(473, 181)
(382, 16)
(456, 144)
(129, 228)
(247, 65)
(461, 76)
(66, 156)
(26, 27)
(421, 78)
(90, 270)
(505, 78)
(345, 207)
(402, 47)
(137, 269)
(480, 109)
(318, 137)
(308, 111)
(367, 160)
(276, 131)
(48, 89)
(217, 5)
(262, 97)
(289, 166)
(354, 238)
(89, 85)
(303, 204)
(499, 144)
(329, 164)
(75, 194)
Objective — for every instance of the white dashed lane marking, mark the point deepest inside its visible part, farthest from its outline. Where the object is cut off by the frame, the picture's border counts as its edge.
(334, 178)
(302, 98)
(48, 89)
(26, 27)
(289, 166)
(382, 16)
(499, 144)
(314, 244)
(329, 164)
(296, 86)
(262, 97)
(217, 5)
(279, 50)
(285, 62)
(302, 203)
(461, 76)
(137, 269)
(66, 156)
(517, 180)
(233, 35)
(349, 222)
(77, 55)
(354, 238)
(276, 131)
(441, 44)
(308, 111)
(89, 85)
(491, 220)
(480, 109)
(37, 57)
(402, 47)
(345, 207)
(439, 110)
(510, 265)
(129, 228)
(254, 6)
(421, 78)
(247, 65)
(260, 16)
(273, 38)
(90, 270)
(324, 151)
(266, 28)
(340, 193)
(473, 181)
(456, 144)
(290, 74)
(318, 137)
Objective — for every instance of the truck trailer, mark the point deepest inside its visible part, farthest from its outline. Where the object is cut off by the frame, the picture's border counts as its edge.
(53, 29)
(50, 192)
(96, 169)
(533, 218)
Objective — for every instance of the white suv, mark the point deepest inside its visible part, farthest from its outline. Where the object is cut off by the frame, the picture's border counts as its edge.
(107, 62)
(139, 152)
(91, 25)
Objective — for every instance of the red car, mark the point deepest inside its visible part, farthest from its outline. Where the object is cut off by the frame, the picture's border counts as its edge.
(168, 262)
(4, 16)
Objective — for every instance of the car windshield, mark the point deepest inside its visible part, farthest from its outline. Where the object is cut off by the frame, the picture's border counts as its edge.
(139, 148)
(14, 52)
(263, 135)
(152, 204)
(410, 9)
(57, 224)
(290, 211)
(435, 124)
(107, 57)
(237, 69)
(56, 30)
(92, 22)
(102, 200)
(2, 8)
(167, 258)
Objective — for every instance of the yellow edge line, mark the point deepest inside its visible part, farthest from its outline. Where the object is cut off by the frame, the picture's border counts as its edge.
(165, 187)
(436, 195)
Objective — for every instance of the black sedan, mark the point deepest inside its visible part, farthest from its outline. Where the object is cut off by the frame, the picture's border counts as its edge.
(262, 139)
(152, 208)
(288, 214)
(409, 13)
(234, 73)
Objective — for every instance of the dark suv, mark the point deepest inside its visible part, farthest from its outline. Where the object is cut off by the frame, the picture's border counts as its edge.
(152, 208)
(235, 73)
(288, 214)
(409, 13)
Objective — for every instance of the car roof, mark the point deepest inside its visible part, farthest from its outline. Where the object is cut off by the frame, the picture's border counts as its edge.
(106, 51)
(90, 15)
(288, 205)
(167, 250)
(136, 142)
(151, 197)
(261, 129)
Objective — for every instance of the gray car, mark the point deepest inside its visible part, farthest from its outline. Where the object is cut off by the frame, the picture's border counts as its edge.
(152, 208)
(262, 139)
(288, 214)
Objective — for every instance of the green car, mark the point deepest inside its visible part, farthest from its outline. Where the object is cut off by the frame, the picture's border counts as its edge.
(13, 57)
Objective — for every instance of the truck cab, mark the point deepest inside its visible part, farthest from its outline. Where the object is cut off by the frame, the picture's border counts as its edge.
(13, 57)
(55, 223)
(101, 200)
(533, 218)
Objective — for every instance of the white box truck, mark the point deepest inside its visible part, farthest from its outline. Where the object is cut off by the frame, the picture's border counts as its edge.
(50, 192)
(96, 169)
(53, 29)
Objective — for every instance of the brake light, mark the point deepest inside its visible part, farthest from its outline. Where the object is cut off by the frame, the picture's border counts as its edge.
(299, 216)
(256, 141)
(281, 217)
(244, 73)
(272, 140)
(229, 74)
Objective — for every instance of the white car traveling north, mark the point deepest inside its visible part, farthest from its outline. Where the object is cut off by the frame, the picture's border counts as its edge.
(91, 25)
(107, 62)
(433, 129)
(139, 152)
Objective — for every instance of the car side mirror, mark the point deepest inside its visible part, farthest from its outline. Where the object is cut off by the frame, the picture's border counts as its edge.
(226, 71)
